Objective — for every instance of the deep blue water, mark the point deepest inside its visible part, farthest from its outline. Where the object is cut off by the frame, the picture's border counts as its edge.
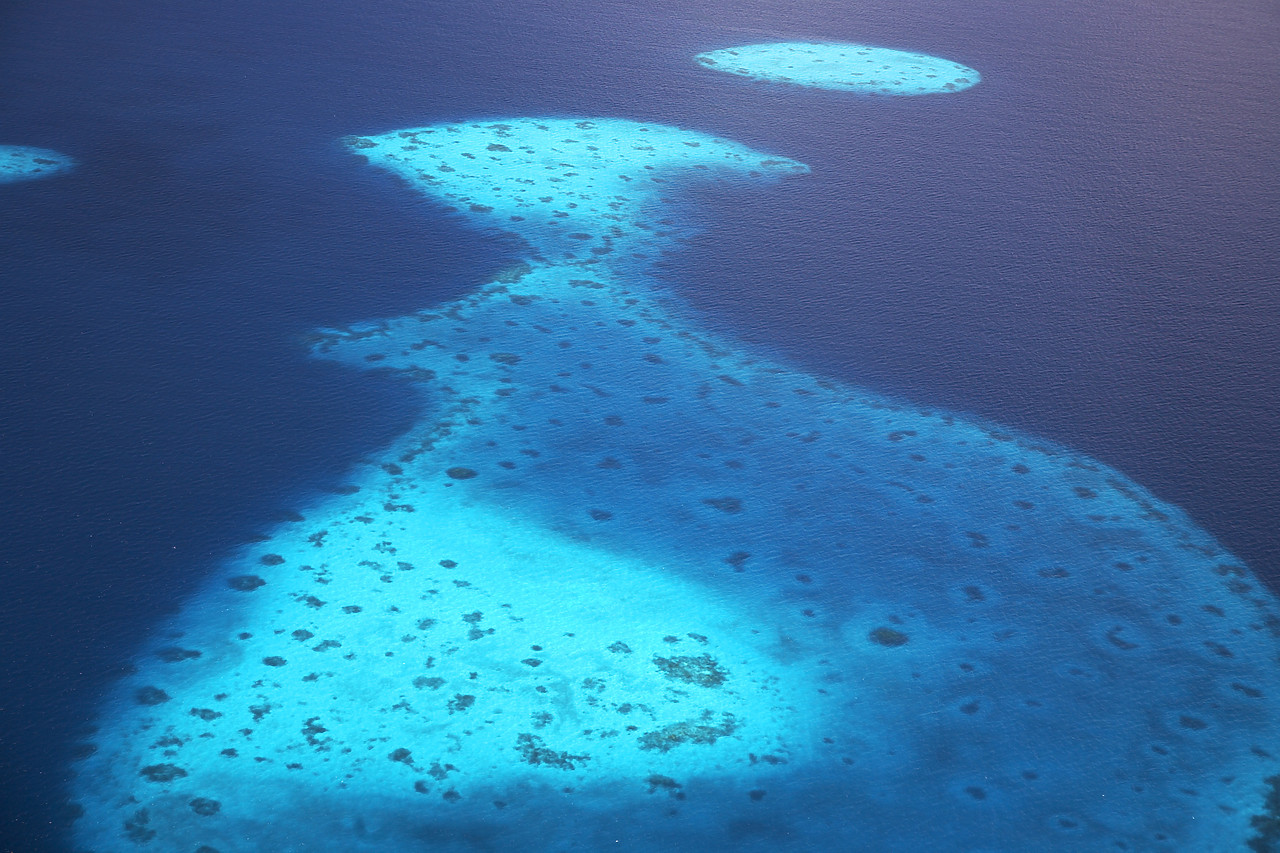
(1082, 247)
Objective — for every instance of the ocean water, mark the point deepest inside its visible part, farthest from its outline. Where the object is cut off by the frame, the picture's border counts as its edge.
(1078, 249)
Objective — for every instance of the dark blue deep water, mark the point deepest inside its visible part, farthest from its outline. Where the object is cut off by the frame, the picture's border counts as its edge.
(1083, 247)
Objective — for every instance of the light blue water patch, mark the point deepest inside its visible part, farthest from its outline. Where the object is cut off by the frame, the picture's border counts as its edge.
(845, 67)
(632, 586)
(543, 178)
(24, 163)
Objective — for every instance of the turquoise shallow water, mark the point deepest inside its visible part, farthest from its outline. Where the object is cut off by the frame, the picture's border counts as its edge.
(856, 68)
(629, 583)
(24, 163)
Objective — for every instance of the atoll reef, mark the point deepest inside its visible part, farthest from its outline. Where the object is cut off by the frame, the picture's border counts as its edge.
(630, 585)
(23, 163)
(856, 68)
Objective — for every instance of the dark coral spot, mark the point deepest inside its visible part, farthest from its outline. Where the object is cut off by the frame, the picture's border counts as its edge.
(668, 737)
(533, 751)
(729, 505)
(162, 772)
(460, 473)
(205, 807)
(461, 702)
(136, 829)
(271, 559)
(702, 670)
(1114, 638)
(1218, 649)
(657, 780)
(245, 583)
(888, 637)
(151, 696)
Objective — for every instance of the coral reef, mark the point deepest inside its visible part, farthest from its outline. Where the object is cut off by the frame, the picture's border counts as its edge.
(702, 670)
(23, 163)
(857, 68)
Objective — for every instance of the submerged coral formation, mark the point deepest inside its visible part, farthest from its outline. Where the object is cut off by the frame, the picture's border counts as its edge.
(771, 611)
(856, 68)
(23, 163)
(1266, 826)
